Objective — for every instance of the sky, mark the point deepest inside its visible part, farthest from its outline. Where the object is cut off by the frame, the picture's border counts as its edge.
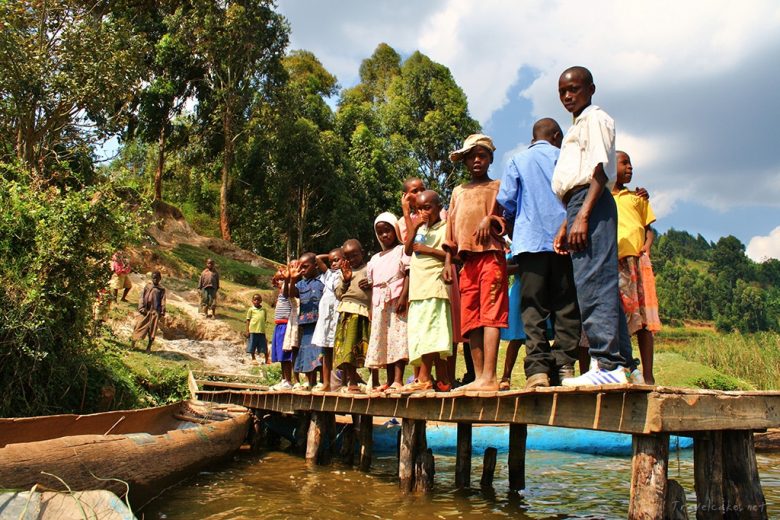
(694, 87)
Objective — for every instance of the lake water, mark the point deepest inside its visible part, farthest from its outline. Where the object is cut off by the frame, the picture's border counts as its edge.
(278, 485)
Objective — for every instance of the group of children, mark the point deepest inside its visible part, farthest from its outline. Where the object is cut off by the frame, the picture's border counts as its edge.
(441, 277)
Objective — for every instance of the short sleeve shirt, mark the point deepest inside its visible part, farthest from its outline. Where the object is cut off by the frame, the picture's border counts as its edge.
(470, 203)
(590, 141)
(256, 316)
(309, 294)
(634, 215)
(425, 270)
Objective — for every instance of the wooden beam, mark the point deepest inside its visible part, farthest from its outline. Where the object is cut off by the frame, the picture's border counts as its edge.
(675, 502)
(412, 433)
(348, 438)
(648, 477)
(708, 475)
(742, 492)
(488, 468)
(314, 438)
(366, 441)
(424, 470)
(518, 433)
(463, 457)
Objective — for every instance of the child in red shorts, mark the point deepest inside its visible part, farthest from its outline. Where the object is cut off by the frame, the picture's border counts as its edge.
(474, 231)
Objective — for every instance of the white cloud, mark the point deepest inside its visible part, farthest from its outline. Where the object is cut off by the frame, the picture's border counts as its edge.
(761, 248)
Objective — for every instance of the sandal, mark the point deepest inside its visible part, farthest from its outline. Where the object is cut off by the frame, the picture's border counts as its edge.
(381, 388)
(351, 390)
(503, 386)
(442, 387)
(394, 388)
(418, 387)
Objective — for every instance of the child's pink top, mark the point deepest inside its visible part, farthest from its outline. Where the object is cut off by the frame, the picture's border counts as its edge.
(387, 271)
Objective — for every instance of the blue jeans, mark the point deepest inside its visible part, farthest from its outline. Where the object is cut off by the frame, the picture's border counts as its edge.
(596, 278)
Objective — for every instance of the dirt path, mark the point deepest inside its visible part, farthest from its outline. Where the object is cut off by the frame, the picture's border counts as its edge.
(210, 341)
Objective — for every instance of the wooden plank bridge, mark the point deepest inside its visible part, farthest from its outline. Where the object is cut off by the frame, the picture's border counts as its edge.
(721, 424)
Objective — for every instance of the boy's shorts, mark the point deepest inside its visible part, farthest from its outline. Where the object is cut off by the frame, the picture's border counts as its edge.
(256, 343)
(484, 301)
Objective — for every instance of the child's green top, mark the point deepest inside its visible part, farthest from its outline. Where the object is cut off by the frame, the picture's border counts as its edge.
(256, 318)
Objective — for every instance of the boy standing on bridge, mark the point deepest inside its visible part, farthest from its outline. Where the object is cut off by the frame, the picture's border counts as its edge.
(474, 230)
(637, 282)
(208, 287)
(547, 284)
(583, 176)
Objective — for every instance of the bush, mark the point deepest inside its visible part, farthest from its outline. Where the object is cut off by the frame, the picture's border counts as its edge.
(55, 245)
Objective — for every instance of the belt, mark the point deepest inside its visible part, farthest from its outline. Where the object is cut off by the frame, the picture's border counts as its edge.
(569, 194)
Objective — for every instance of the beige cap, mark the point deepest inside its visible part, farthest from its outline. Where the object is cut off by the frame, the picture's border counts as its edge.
(472, 141)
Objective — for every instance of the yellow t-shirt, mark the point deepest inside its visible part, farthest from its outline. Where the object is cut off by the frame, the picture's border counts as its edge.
(634, 214)
(425, 280)
(256, 317)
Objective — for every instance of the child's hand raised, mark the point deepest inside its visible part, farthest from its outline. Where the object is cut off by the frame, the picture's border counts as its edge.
(346, 272)
(294, 270)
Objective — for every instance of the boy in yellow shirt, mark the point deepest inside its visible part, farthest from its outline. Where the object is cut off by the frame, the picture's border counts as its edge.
(255, 330)
(637, 282)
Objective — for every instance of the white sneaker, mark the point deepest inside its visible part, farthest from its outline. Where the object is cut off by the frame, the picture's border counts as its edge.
(296, 386)
(598, 376)
(304, 386)
(636, 377)
(282, 385)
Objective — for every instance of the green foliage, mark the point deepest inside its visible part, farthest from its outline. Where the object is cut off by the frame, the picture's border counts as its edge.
(229, 269)
(55, 245)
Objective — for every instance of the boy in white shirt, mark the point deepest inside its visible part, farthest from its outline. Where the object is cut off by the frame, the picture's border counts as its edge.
(583, 178)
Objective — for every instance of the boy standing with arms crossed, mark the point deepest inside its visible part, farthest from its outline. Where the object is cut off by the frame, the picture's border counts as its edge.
(637, 282)
(474, 230)
(582, 179)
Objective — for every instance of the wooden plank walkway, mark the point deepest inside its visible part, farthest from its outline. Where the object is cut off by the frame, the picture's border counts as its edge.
(721, 423)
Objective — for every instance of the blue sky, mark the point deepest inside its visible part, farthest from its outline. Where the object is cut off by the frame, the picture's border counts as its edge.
(691, 85)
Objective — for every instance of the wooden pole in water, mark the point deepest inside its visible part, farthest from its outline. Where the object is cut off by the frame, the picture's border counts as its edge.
(488, 467)
(302, 432)
(675, 502)
(463, 457)
(314, 438)
(742, 492)
(366, 439)
(348, 444)
(648, 477)
(411, 432)
(708, 475)
(424, 471)
(518, 434)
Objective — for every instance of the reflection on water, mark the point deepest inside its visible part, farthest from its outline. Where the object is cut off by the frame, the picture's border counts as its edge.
(277, 485)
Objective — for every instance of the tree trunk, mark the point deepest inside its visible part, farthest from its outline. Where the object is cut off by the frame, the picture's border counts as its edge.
(160, 164)
(227, 161)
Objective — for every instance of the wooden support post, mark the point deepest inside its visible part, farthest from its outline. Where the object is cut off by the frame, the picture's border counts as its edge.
(648, 477)
(412, 442)
(488, 468)
(424, 470)
(708, 475)
(463, 457)
(314, 438)
(347, 453)
(302, 433)
(257, 432)
(366, 439)
(675, 502)
(742, 494)
(518, 433)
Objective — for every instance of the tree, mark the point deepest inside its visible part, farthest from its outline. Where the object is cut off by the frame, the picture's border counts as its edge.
(239, 45)
(70, 69)
(430, 111)
(729, 261)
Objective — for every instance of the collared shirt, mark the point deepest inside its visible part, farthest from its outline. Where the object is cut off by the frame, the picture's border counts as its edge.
(589, 141)
(529, 201)
(634, 215)
(309, 294)
(256, 316)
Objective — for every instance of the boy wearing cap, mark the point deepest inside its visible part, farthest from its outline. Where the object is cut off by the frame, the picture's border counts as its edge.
(474, 231)
(583, 177)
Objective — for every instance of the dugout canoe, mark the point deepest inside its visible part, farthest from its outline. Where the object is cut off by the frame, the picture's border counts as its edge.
(137, 453)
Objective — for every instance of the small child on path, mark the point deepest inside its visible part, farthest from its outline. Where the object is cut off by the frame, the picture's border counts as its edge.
(354, 326)
(152, 307)
(637, 282)
(430, 324)
(208, 285)
(325, 331)
(304, 282)
(387, 273)
(120, 277)
(255, 330)
(282, 312)
(474, 231)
